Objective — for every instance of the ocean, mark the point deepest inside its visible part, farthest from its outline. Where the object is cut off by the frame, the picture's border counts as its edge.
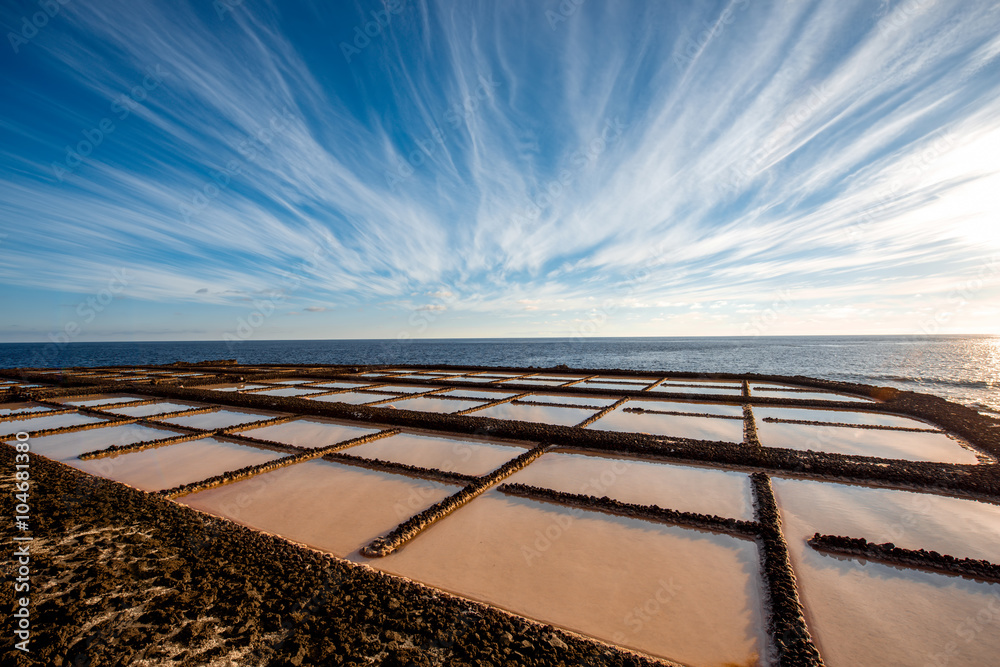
(965, 369)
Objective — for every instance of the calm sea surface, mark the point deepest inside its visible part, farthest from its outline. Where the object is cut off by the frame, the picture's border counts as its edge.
(965, 369)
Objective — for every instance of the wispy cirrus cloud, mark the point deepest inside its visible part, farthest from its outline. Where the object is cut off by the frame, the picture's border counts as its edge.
(475, 155)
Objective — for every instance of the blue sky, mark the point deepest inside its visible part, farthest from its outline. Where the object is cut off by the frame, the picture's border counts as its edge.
(246, 169)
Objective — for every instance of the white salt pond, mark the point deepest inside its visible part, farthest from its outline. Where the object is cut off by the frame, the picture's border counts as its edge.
(403, 389)
(781, 391)
(352, 397)
(426, 404)
(536, 413)
(672, 592)
(234, 387)
(866, 613)
(697, 389)
(840, 416)
(41, 423)
(311, 432)
(723, 493)
(625, 386)
(66, 446)
(453, 455)
(486, 395)
(155, 408)
(7, 409)
(101, 400)
(219, 419)
(595, 401)
(678, 426)
(954, 526)
(340, 385)
(327, 506)
(290, 391)
(172, 465)
(691, 407)
(904, 445)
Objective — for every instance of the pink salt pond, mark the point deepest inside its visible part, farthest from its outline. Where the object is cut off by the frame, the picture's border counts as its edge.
(219, 419)
(452, 455)
(42, 422)
(863, 613)
(905, 445)
(678, 426)
(672, 592)
(158, 408)
(67, 446)
(430, 404)
(312, 432)
(723, 493)
(536, 413)
(172, 465)
(328, 506)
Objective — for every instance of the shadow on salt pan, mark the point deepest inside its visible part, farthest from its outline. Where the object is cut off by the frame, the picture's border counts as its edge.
(328, 506)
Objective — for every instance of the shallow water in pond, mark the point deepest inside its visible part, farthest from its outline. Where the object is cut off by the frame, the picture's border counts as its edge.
(219, 419)
(684, 488)
(487, 396)
(678, 426)
(669, 591)
(954, 526)
(21, 408)
(808, 395)
(328, 506)
(313, 432)
(905, 445)
(424, 404)
(340, 385)
(841, 416)
(40, 423)
(595, 401)
(692, 407)
(102, 400)
(453, 455)
(233, 387)
(403, 389)
(351, 397)
(536, 413)
(172, 465)
(289, 391)
(66, 446)
(155, 408)
(865, 613)
(706, 389)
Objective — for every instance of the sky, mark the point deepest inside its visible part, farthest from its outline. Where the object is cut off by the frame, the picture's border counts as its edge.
(242, 169)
